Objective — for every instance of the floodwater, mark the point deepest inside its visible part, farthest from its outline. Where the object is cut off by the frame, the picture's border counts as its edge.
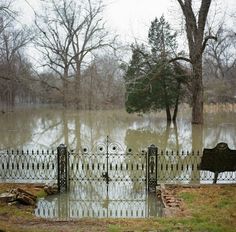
(97, 199)
(46, 128)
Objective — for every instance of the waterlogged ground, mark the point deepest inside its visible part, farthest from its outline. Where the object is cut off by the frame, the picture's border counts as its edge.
(206, 208)
(211, 208)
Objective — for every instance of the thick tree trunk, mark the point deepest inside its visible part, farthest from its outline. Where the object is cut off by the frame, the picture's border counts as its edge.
(195, 26)
(197, 146)
(197, 93)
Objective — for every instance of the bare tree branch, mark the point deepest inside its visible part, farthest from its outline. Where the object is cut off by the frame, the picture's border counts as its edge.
(206, 40)
(180, 58)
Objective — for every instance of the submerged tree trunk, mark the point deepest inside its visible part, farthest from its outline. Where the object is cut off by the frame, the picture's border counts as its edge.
(197, 41)
(168, 114)
(167, 106)
(197, 93)
(77, 93)
(77, 90)
(197, 147)
(65, 87)
(176, 104)
(166, 135)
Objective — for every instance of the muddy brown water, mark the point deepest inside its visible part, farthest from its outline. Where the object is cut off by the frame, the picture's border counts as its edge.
(46, 128)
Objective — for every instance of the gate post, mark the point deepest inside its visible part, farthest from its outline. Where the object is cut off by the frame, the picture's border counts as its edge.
(62, 167)
(152, 168)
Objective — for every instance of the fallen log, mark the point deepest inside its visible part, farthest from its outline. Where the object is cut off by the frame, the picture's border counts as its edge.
(23, 196)
(7, 197)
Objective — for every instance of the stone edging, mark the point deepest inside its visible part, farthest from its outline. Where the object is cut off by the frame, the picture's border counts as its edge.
(172, 205)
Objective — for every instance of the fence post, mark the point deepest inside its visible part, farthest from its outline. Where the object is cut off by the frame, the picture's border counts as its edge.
(152, 168)
(62, 164)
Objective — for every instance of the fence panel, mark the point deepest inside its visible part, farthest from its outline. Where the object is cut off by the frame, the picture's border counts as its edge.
(25, 166)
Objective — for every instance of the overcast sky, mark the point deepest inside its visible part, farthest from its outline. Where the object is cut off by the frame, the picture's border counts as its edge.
(131, 18)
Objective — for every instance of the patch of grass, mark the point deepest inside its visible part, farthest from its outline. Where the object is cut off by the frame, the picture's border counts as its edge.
(212, 208)
(207, 209)
(188, 197)
(193, 224)
(16, 211)
(114, 228)
(224, 203)
(41, 194)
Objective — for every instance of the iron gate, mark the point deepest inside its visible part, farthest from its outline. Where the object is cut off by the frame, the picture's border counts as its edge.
(107, 161)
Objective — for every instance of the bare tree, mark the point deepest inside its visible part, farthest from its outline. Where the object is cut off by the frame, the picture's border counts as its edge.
(102, 84)
(220, 66)
(220, 55)
(69, 32)
(54, 43)
(89, 36)
(13, 65)
(197, 41)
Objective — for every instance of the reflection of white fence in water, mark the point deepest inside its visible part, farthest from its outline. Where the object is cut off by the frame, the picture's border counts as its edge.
(25, 166)
(93, 199)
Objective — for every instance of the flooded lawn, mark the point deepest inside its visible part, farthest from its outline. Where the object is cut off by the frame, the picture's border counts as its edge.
(38, 132)
(99, 200)
(46, 128)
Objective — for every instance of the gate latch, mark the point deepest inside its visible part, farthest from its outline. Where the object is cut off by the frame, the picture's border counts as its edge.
(106, 177)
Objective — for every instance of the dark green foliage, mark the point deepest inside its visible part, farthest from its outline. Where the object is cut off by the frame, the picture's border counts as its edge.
(153, 83)
(162, 42)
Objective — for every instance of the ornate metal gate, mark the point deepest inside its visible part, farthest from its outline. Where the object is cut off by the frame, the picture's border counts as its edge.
(107, 161)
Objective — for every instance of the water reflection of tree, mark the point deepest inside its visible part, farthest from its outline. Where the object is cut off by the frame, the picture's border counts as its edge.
(17, 128)
(197, 138)
(138, 138)
(11, 127)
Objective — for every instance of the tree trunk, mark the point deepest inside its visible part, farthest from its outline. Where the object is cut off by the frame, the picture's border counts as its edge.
(168, 114)
(197, 146)
(65, 128)
(64, 93)
(90, 107)
(77, 85)
(195, 26)
(176, 104)
(166, 135)
(77, 92)
(65, 86)
(197, 93)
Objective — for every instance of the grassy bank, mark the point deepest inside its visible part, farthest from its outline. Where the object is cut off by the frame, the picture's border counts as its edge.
(205, 208)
